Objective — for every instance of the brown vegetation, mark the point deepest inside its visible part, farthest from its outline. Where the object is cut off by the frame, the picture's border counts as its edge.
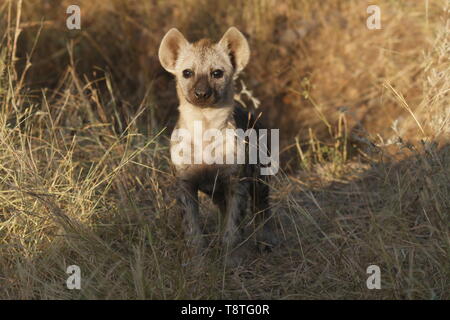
(85, 176)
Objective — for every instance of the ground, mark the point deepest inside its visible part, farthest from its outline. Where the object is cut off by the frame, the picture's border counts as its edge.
(85, 175)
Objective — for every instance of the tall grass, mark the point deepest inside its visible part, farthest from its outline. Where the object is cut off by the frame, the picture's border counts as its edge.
(85, 177)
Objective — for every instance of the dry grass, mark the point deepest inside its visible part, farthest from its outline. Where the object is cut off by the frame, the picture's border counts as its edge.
(85, 177)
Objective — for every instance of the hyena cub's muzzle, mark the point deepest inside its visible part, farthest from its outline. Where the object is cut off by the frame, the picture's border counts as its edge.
(202, 94)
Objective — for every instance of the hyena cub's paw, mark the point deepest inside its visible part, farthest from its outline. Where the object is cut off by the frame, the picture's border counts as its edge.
(235, 258)
(197, 245)
(267, 239)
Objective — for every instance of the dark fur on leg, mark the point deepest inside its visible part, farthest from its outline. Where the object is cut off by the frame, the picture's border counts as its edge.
(236, 205)
(189, 200)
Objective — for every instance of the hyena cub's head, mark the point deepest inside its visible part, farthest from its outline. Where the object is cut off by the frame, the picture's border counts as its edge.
(205, 70)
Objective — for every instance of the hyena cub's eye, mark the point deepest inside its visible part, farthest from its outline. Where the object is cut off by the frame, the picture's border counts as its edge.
(217, 74)
(187, 73)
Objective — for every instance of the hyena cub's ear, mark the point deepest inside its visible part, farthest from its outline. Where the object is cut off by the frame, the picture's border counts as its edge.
(170, 48)
(237, 46)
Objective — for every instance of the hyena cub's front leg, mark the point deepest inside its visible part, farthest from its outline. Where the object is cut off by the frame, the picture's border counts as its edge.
(265, 224)
(236, 203)
(188, 198)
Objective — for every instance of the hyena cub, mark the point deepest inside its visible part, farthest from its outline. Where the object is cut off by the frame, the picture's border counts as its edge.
(205, 73)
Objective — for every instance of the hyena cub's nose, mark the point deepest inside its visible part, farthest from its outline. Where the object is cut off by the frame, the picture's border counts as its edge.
(202, 89)
(202, 92)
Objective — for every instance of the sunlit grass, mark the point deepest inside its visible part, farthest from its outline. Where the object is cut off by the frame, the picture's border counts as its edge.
(85, 176)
